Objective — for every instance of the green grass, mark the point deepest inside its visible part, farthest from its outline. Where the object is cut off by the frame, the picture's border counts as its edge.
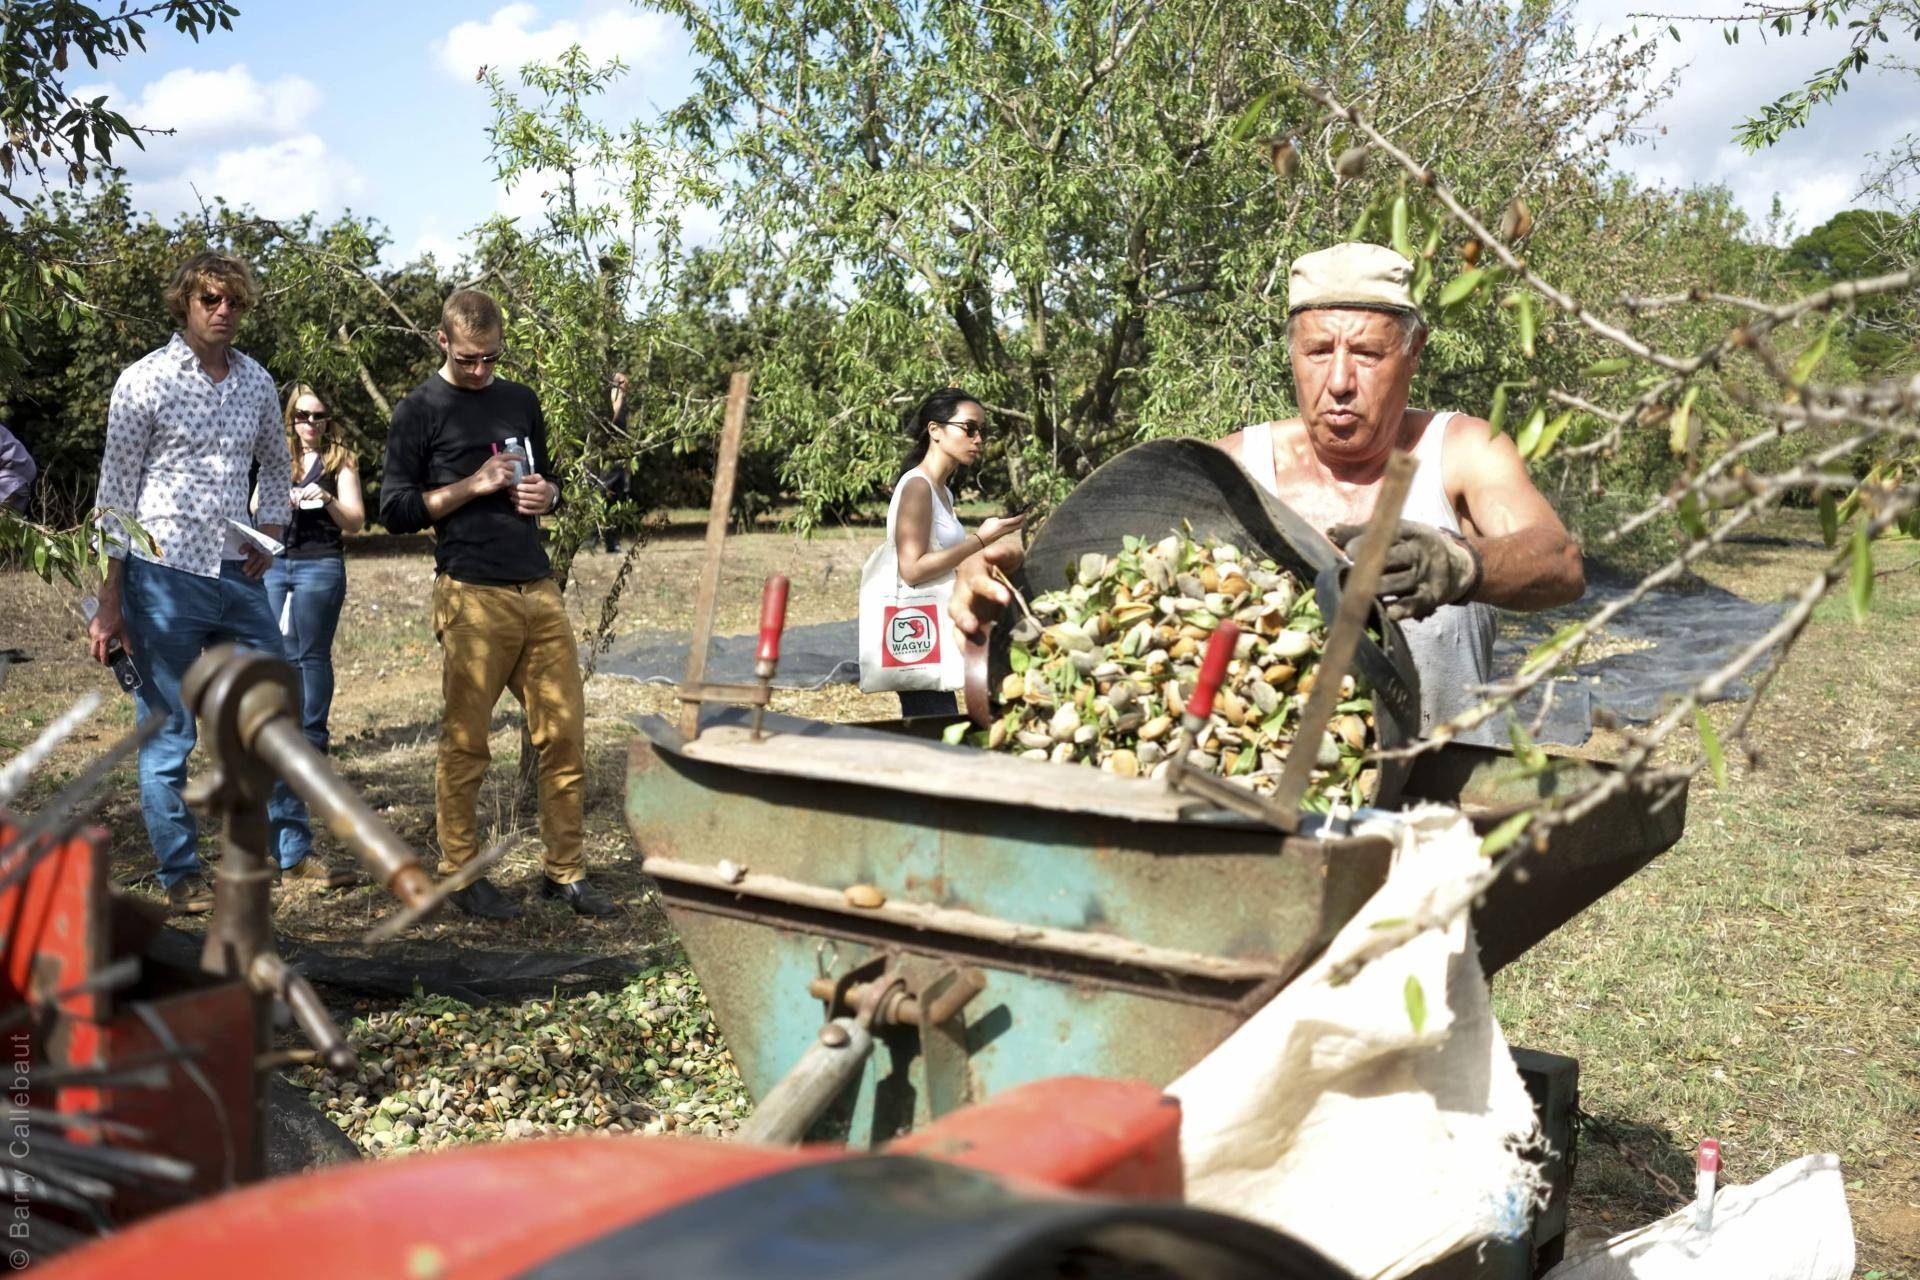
(1760, 982)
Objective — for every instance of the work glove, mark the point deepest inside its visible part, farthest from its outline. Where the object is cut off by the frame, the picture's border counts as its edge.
(1425, 567)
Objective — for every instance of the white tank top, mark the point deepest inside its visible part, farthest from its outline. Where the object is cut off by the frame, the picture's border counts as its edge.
(947, 530)
(1453, 648)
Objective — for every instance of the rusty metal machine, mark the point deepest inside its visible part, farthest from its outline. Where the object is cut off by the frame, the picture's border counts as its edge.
(146, 1082)
(963, 976)
(890, 929)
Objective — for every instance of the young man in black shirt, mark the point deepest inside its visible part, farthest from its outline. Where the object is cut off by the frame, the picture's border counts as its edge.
(465, 455)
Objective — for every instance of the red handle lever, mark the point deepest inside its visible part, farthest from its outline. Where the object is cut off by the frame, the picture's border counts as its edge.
(773, 618)
(1213, 669)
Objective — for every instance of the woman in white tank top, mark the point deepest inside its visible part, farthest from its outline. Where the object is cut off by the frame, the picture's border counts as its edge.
(929, 542)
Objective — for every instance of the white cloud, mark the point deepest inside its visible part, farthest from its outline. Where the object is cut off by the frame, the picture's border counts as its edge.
(511, 38)
(1815, 170)
(701, 224)
(445, 250)
(279, 179)
(210, 106)
(235, 137)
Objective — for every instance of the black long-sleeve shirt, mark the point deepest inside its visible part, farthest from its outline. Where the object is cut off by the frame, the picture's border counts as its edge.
(443, 434)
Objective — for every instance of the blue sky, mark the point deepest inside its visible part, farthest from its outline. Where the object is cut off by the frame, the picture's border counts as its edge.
(364, 105)
(373, 106)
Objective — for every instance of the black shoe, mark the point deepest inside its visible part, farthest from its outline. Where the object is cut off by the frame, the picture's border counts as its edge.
(581, 896)
(483, 900)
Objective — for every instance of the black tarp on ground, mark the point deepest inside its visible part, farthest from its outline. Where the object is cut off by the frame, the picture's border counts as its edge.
(810, 657)
(398, 968)
(1688, 633)
(299, 1135)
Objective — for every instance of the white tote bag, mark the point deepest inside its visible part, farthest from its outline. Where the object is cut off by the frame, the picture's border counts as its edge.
(906, 639)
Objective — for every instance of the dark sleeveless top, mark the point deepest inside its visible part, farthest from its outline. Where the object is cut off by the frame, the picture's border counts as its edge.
(313, 534)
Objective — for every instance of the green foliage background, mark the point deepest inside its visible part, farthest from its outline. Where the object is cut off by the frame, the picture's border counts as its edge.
(1083, 212)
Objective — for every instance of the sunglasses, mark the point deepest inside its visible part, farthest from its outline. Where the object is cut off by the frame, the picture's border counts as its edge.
(478, 362)
(212, 301)
(977, 430)
(307, 415)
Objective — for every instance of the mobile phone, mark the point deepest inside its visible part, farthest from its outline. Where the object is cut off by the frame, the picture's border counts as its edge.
(118, 658)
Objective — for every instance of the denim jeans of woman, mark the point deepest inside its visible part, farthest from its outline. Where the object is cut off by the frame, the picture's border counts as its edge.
(306, 595)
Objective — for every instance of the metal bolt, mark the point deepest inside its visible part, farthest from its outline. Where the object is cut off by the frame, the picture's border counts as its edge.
(834, 1036)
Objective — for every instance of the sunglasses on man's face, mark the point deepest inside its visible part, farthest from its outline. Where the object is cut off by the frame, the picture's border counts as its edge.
(311, 415)
(212, 301)
(977, 430)
(478, 362)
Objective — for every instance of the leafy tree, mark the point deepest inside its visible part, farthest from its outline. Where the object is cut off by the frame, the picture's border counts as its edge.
(50, 139)
(332, 315)
(1074, 210)
(1853, 244)
(1870, 22)
(589, 284)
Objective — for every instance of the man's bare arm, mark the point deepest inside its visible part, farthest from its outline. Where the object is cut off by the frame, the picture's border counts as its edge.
(108, 623)
(1528, 560)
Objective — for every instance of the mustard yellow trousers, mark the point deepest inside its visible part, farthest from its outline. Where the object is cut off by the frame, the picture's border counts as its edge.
(514, 638)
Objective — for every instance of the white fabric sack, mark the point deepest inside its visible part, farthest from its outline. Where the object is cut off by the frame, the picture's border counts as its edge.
(906, 639)
(1791, 1225)
(1329, 1116)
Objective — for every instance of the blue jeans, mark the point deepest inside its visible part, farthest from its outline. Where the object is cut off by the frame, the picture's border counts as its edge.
(308, 594)
(173, 617)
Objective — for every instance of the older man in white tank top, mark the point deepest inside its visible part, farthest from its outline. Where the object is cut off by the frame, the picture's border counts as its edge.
(1474, 531)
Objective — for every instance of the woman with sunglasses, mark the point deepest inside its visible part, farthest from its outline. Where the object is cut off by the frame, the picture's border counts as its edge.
(308, 585)
(946, 431)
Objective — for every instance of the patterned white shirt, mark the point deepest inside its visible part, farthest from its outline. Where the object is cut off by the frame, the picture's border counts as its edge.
(178, 449)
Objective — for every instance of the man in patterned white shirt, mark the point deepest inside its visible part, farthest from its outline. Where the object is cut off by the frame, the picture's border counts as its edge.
(183, 426)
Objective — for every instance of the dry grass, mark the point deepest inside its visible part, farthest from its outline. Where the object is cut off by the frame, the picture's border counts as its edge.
(1759, 983)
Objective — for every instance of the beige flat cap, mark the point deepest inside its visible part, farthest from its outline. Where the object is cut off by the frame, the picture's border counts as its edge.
(1351, 275)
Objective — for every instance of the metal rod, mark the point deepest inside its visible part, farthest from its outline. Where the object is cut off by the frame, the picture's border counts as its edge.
(120, 973)
(1343, 636)
(407, 917)
(1182, 776)
(829, 1065)
(74, 803)
(726, 467)
(773, 621)
(18, 769)
(241, 925)
(392, 860)
(907, 1010)
(271, 975)
(966, 924)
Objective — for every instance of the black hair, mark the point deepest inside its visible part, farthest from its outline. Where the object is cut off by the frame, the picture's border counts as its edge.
(938, 407)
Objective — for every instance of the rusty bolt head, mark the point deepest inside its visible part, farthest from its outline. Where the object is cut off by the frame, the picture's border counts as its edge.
(834, 1036)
